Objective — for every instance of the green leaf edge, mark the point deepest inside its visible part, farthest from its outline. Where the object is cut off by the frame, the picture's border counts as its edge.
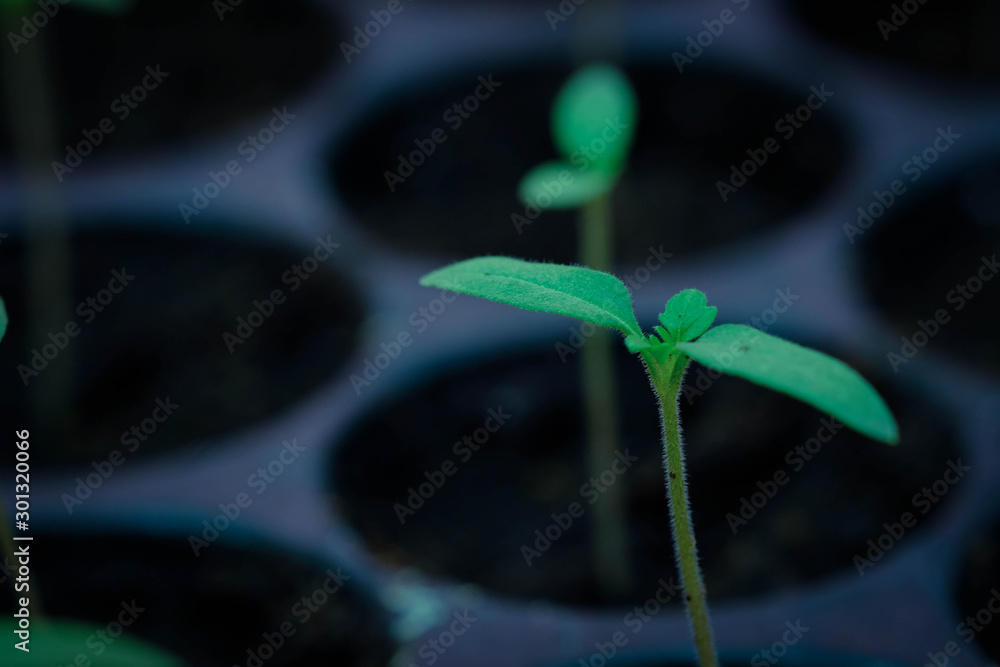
(443, 278)
(567, 97)
(603, 182)
(888, 435)
(64, 639)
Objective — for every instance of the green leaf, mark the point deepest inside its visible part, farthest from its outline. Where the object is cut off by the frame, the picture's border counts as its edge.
(593, 296)
(58, 642)
(810, 376)
(686, 316)
(3, 319)
(595, 110)
(560, 185)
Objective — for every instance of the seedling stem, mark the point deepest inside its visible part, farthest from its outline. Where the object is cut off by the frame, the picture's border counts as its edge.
(666, 379)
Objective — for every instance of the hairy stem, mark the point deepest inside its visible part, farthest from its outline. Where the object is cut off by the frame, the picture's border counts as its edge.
(666, 379)
(610, 539)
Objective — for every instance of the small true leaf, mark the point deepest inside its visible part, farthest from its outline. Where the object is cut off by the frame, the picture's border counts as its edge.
(810, 376)
(687, 316)
(595, 106)
(593, 296)
(561, 185)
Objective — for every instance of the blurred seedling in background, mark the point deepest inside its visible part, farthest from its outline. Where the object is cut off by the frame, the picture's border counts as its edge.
(685, 332)
(32, 113)
(593, 124)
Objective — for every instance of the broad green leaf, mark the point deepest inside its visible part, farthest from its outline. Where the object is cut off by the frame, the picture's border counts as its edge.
(593, 296)
(594, 116)
(57, 642)
(810, 376)
(3, 319)
(561, 185)
(686, 317)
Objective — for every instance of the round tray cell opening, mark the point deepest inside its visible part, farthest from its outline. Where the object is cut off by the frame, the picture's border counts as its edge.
(947, 39)
(151, 75)
(209, 609)
(473, 522)
(696, 130)
(147, 341)
(929, 264)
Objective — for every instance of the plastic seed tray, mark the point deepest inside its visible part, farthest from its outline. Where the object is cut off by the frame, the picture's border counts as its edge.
(275, 397)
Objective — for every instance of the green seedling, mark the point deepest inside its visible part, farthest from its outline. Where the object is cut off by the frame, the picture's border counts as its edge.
(685, 332)
(593, 123)
(32, 112)
(39, 641)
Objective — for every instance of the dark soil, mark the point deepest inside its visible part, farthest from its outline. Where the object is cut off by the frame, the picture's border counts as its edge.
(692, 128)
(738, 434)
(927, 245)
(220, 72)
(162, 336)
(212, 608)
(976, 592)
(952, 39)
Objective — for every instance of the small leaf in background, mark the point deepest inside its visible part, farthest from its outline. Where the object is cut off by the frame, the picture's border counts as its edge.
(593, 296)
(827, 384)
(58, 642)
(561, 185)
(596, 110)
(686, 316)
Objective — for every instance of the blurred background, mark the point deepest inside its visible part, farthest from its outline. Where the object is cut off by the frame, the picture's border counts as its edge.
(247, 416)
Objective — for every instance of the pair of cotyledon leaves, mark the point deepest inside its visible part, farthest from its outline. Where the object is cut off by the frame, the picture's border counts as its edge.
(593, 123)
(686, 325)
